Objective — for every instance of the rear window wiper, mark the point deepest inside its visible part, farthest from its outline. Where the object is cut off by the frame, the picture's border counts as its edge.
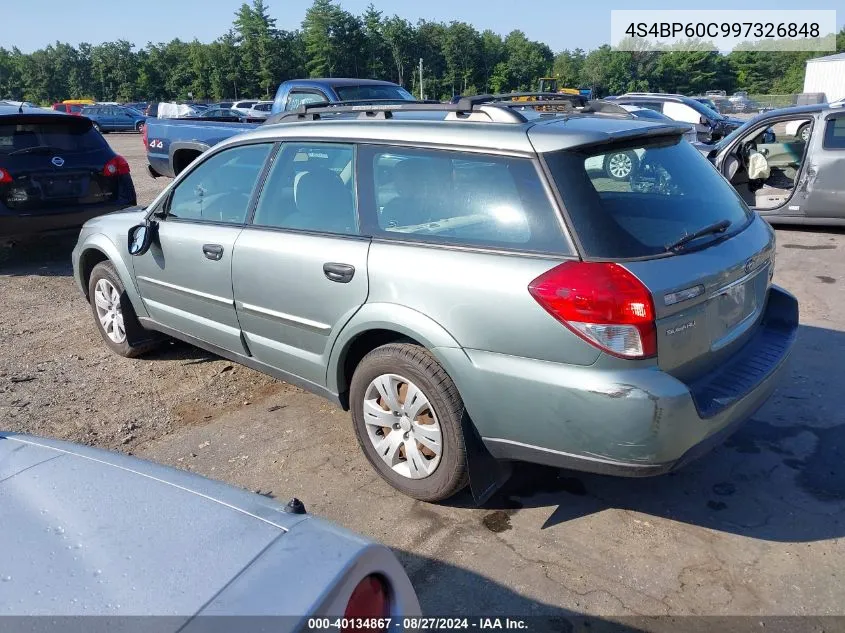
(34, 148)
(717, 227)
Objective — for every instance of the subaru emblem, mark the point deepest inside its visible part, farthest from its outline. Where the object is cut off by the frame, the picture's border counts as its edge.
(58, 161)
(749, 265)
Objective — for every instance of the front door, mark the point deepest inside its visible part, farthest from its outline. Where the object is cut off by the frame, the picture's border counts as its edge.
(300, 266)
(824, 181)
(185, 279)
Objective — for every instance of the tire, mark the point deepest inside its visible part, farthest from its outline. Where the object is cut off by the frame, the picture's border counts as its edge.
(620, 165)
(438, 477)
(139, 127)
(804, 132)
(98, 128)
(105, 284)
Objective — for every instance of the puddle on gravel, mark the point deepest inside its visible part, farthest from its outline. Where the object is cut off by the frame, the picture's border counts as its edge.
(497, 522)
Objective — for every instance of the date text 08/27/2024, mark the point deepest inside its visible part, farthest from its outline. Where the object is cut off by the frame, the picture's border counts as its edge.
(414, 624)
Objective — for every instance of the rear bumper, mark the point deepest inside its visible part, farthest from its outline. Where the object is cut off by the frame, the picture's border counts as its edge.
(15, 226)
(638, 422)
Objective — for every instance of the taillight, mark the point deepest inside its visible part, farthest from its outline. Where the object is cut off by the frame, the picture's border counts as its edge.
(370, 600)
(5, 177)
(117, 166)
(602, 303)
(144, 133)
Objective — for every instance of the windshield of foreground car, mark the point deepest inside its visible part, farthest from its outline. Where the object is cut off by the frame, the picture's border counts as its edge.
(637, 199)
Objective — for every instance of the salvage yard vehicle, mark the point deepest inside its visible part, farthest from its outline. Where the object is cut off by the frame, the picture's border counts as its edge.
(173, 143)
(711, 125)
(114, 118)
(56, 172)
(103, 534)
(456, 278)
(802, 150)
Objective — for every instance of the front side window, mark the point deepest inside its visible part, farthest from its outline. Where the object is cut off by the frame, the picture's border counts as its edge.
(296, 99)
(666, 190)
(221, 187)
(311, 187)
(462, 198)
(376, 92)
(834, 133)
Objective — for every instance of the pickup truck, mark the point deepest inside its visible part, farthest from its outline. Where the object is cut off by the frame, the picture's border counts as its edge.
(172, 144)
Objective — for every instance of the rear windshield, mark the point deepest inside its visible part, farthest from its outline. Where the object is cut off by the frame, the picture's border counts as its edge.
(360, 93)
(65, 136)
(635, 200)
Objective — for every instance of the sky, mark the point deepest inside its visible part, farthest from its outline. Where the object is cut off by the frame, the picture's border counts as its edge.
(558, 23)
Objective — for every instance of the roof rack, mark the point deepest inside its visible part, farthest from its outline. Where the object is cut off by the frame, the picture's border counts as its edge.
(497, 108)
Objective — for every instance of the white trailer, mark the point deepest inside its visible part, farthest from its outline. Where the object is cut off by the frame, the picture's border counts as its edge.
(827, 75)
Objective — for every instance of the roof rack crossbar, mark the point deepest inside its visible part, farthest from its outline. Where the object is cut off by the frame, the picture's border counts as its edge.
(368, 108)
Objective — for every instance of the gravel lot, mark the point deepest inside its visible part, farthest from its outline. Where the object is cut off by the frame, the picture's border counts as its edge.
(755, 528)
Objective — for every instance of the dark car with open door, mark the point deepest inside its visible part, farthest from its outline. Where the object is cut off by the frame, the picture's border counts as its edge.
(56, 172)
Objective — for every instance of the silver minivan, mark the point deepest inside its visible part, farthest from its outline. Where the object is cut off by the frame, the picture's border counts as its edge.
(459, 279)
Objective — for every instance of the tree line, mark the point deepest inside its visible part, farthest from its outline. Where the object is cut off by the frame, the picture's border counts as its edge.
(254, 56)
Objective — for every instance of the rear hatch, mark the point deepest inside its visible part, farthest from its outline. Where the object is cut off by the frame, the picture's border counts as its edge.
(53, 162)
(709, 292)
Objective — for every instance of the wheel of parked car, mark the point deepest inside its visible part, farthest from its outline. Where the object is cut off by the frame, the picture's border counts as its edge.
(139, 127)
(97, 127)
(407, 414)
(619, 165)
(804, 132)
(114, 314)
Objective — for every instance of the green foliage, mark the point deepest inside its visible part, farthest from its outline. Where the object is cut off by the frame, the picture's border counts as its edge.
(254, 56)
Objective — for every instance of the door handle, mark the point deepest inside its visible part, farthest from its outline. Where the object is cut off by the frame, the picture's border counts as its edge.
(212, 251)
(341, 273)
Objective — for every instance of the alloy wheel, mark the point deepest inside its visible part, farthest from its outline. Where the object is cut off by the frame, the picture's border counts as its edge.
(107, 302)
(619, 166)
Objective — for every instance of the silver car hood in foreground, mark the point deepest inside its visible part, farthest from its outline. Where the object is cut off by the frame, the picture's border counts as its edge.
(88, 532)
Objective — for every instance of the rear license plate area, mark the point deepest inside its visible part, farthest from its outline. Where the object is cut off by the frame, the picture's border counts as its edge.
(735, 304)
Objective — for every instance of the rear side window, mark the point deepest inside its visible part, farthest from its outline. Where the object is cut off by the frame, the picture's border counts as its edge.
(220, 188)
(364, 92)
(311, 187)
(68, 137)
(461, 198)
(298, 98)
(834, 133)
(635, 200)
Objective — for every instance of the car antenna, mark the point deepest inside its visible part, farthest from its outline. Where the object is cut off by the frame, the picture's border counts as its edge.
(20, 108)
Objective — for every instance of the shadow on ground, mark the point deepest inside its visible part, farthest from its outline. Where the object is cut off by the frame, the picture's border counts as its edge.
(781, 477)
(46, 256)
(477, 597)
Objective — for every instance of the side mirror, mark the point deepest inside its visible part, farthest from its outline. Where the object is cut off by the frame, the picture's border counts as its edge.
(703, 121)
(769, 136)
(140, 238)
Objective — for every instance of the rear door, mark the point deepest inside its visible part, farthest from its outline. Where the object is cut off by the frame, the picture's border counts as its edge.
(55, 162)
(709, 294)
(185, 279)
(300, 267)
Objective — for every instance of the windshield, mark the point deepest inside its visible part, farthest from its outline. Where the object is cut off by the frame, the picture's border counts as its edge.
(634, 200)
(360, 93)
(68, 137)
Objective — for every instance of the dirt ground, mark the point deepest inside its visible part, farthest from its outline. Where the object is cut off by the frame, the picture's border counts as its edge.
(754, 528)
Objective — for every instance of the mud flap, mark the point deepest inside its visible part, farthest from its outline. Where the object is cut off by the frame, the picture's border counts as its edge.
(486, 473)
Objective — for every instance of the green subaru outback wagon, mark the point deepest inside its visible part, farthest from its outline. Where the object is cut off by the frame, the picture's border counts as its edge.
(465, 281)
